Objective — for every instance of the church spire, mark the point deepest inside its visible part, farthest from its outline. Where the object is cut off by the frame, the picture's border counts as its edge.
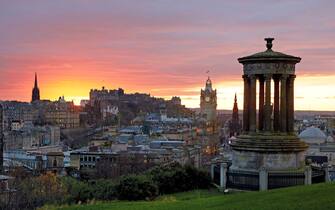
(36, 92)
(235, 102)
(235, 122)
(235, 109)
(35, 86)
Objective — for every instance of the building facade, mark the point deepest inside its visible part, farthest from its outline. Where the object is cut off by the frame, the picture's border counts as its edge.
(1, 139)
(62, 113)
(29, 137)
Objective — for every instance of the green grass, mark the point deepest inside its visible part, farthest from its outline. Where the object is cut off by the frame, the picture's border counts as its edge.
(315, 197)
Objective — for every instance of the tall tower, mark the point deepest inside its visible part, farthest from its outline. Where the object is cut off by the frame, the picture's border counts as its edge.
(1, 139)
(36, 91)
(208, 103)
(235, 126)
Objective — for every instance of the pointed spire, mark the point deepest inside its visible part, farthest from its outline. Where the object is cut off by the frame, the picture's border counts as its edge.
(208, 84)
(235, 109)
(235, 126)
(208, 80)
(35, 80)
(36, 91)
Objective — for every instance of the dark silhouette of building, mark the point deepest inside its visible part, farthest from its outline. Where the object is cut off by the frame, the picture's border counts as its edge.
(36, 91)
(1, 139)
(235, 126)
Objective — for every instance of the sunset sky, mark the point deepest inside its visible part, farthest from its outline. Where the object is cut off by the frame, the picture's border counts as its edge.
(162, 47)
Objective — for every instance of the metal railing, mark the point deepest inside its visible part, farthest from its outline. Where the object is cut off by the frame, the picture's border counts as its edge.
(318, 175)
(243, 180)
(280, 179)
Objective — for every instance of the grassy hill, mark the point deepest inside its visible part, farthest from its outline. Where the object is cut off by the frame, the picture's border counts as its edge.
(315, 197)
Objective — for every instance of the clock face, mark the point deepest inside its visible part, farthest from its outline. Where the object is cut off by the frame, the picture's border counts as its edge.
(207, 99)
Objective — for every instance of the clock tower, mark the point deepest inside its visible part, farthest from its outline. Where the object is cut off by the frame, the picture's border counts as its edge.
(208, 104)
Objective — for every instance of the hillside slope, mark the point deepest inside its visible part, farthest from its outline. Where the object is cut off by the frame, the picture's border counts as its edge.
(315, 197)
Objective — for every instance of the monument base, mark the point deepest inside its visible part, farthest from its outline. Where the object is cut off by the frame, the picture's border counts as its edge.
(273, 152)
(250, 161)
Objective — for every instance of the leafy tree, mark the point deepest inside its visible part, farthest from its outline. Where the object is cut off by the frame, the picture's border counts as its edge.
(37, 191)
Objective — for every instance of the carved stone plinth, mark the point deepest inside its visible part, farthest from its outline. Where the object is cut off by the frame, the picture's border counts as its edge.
(274, 152)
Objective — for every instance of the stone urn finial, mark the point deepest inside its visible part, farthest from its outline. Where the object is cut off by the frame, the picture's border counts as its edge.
(269, 43)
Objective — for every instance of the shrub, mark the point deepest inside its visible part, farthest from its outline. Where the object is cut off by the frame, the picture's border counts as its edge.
(77, 190)
(50, 189)
(136, 188)
(176, 178)
(104, 189)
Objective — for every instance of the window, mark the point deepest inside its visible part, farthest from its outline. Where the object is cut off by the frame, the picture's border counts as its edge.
(54, 163)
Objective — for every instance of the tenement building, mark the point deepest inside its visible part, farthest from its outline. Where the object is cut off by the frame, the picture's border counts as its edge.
(62, 113)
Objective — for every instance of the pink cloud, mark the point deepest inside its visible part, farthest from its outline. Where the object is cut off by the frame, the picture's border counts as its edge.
(153, 45)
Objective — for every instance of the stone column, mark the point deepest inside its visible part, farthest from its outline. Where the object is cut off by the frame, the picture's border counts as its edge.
(263, 179)
(290, 104)
(326, 170)
(283, 102)
(223, 175)
(308, 175)
(212, 170)
(276, 121)
(261, 104)
(267, 120)
(246, 104)
(252, 104)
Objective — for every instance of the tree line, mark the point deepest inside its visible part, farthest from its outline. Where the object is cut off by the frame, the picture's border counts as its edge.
(33, 192)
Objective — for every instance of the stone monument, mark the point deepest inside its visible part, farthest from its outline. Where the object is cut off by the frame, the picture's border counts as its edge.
(268, 139)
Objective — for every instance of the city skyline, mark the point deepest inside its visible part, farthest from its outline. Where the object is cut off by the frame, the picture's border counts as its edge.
(162, 49)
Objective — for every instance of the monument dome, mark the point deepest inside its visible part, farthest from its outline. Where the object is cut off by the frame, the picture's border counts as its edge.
(330, 139)
(313, 135)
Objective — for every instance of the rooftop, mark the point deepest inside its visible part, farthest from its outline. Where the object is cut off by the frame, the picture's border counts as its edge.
(269, 55)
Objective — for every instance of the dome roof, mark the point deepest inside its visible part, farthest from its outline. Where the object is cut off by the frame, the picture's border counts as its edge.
(330, 139)
(269, 55)
(313, 135)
